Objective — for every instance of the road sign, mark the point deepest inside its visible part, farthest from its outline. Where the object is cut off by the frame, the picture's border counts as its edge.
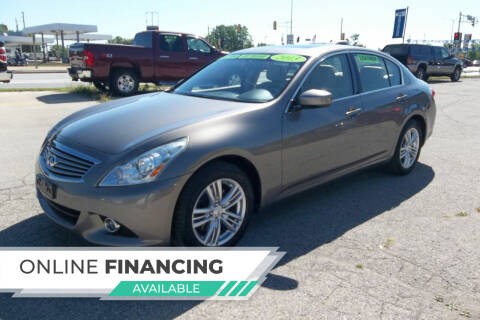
(289, 38)
(400, 22)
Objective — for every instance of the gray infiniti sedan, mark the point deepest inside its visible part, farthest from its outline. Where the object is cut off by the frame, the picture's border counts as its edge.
(190, 166)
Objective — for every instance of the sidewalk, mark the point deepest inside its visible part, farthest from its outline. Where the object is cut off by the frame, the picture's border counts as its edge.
(61, 68)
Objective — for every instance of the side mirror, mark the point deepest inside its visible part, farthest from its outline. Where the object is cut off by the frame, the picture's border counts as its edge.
(452, 56)
(315, 98)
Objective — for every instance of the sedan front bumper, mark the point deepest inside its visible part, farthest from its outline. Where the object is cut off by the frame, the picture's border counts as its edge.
(144, 211)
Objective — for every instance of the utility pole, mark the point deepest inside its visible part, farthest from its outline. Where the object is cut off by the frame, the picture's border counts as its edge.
(291, 17)
(341, 29)
(405, 29)
(23, 18)
(16, 24)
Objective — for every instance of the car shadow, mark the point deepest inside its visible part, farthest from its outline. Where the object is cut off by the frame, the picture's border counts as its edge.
(56, 98)
(440, 80)
(297, 225)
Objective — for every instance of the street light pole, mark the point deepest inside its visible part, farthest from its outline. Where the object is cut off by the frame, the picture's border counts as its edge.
(291, 16)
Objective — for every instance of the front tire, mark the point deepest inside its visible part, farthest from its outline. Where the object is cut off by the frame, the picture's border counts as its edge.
(214, 207)
(124, 82)
(456, 74)
(407, 149)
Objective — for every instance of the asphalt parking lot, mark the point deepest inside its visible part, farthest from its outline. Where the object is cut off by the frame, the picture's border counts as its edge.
(369, 246)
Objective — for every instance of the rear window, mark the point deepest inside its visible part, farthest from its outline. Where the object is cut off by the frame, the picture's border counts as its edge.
(420, 50)
(143, 39)
(396, 50)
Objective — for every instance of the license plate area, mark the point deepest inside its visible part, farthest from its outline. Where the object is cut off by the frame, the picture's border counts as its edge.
(48, 189)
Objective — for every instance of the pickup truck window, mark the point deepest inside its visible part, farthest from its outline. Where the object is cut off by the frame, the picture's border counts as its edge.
(197, 45)
(143, 39)
(170, 43)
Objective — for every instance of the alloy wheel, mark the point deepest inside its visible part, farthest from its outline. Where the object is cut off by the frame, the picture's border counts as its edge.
(409, 148)
(219, 212)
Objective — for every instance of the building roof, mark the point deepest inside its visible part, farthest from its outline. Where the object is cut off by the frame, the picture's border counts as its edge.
(88, 37)
(57, 28)
(17, 40)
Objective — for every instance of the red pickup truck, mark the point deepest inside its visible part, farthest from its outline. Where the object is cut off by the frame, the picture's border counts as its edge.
(154, 56)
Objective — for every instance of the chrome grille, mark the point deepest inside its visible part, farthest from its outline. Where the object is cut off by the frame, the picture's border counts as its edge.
(65, 162)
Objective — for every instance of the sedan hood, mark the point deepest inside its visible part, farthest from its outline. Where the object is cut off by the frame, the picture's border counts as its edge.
(123, 125)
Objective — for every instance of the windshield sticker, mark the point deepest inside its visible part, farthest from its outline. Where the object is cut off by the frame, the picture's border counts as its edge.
(288, 58)
(365, 58)
(230, 56)
(255, 56)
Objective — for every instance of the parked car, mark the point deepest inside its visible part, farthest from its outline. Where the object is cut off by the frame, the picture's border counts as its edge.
(190, 166)
(155, 56)
(466, 63)
(476, 63)
(5, 75)
(425, 60)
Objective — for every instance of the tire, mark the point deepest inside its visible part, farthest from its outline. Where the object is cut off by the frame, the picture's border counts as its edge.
(405, 157)
(456, 74)
(100, 86)
(124, 82)
(421, 73)
(210, 215)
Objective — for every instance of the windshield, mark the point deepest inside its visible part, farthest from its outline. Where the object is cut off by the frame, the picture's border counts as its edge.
(244, 77)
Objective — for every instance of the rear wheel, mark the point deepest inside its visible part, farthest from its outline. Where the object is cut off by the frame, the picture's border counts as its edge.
(407, 149)
(421, 73)
(214, 207)
(124, 82)
(456, 74)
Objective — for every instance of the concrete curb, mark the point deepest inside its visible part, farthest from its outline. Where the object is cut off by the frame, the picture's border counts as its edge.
(37, 71)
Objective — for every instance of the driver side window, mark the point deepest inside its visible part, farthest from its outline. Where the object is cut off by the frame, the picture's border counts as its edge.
(332, 74)
(198, 46)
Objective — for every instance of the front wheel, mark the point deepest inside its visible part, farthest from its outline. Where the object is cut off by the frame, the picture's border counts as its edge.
(456, 74)
(124, 82)
(214, 207)
(407, 149)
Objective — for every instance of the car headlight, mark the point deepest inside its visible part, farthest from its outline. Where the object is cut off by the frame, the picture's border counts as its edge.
(145, 167)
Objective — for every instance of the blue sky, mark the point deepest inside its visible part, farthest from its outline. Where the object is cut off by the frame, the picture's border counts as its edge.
(372, 19)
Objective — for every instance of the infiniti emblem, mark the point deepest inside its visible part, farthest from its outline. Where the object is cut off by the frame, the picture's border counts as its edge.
(50, 158)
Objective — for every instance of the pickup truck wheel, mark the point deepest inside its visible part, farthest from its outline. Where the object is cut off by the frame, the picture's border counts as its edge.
(456, 74)
(422, 74)
(100, 86)
(124, 82)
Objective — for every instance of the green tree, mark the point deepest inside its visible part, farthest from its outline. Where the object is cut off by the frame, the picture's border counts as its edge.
(230, 38)
(3, 28)
(353, 40)
(120, 40)
(58, 51)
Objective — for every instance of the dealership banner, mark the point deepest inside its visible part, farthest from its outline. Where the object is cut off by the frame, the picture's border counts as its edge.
(400, 22)
(136, 273)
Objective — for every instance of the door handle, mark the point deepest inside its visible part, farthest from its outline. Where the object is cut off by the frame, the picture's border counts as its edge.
(164, 57)
(401, 97)
(193, 58)
(353, 111)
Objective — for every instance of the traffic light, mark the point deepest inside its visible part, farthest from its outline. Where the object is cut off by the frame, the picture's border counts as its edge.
(274, 25)
(457, 36)
(239, 28)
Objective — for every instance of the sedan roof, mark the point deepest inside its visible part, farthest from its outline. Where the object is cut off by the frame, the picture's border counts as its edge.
(312, 50)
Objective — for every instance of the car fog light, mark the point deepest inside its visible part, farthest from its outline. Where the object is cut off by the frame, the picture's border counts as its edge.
(111, 225)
